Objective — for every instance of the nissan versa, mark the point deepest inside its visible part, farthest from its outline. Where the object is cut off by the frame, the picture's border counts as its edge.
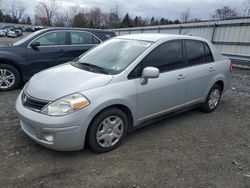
(119, 85)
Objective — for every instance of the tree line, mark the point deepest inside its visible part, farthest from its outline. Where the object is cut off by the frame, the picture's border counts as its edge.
(51, 13)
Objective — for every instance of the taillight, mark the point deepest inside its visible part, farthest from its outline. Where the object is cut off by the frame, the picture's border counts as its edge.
(231, 66)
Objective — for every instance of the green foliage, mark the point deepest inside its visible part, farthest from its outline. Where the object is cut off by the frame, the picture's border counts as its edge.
(126, 21)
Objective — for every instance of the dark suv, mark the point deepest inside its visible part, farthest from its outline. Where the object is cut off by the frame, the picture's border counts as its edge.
(43, 49)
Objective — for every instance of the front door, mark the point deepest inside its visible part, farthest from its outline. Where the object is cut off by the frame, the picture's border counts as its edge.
(51, 52)
(167, 92)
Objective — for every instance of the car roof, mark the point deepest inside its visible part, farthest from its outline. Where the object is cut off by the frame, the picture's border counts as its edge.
(153, 37)
(77, 29)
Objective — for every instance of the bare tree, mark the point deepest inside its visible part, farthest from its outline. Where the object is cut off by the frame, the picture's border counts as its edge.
(59, 20)
(17, 9)
(95, 15)
(47, 10)
(225, 13)
(113, 19)
(246, 8)
(185, 15)
(70, 15)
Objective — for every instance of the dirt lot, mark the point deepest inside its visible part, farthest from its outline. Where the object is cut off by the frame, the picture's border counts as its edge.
(192, 149)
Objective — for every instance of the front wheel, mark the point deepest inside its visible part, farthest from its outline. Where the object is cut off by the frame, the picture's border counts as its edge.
(107, 130)
(212, 100)
(9, 78)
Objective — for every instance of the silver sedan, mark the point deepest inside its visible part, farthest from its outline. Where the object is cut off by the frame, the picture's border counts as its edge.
(118, 86)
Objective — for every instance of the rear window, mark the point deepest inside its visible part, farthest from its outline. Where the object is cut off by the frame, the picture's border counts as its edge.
(208, 54)
(198, 52)
(104, 35)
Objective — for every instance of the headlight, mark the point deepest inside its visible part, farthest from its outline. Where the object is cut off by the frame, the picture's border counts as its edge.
(66, 105)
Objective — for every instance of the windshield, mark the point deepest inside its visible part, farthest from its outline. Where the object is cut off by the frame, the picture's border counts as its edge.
(115, 55)
(26, 38)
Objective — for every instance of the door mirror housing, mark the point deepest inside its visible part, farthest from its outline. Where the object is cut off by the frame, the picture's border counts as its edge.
(149, 72)
(34, 44)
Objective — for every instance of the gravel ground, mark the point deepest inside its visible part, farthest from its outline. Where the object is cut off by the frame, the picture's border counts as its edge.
(192, 149)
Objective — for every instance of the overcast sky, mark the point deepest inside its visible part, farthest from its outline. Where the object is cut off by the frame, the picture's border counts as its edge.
(158, 8)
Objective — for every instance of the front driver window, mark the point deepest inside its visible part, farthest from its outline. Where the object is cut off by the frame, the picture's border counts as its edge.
(53, 38)
(165, 57)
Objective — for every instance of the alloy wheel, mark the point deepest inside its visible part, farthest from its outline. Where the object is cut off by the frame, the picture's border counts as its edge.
(214, 98)
(7, 79)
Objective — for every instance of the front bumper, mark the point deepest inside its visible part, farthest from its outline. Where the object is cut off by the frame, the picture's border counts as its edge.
(62, 133)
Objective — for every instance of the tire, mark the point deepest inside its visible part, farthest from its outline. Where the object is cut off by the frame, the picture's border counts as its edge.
(10, 74)
(212, 100)
(102, 135)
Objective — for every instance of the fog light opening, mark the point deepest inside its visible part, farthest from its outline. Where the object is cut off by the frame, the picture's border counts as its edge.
(48, 136)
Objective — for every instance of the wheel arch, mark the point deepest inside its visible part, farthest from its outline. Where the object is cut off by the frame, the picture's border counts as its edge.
(120, 106)
(221, 84)
(13, 64)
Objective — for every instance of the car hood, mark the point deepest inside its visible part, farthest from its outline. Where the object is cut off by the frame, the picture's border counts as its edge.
(63, 80)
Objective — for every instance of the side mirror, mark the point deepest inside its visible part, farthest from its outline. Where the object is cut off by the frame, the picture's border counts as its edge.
(149, 72)
(34, 45)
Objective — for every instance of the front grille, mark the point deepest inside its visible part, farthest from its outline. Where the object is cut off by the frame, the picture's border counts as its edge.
(33, 103)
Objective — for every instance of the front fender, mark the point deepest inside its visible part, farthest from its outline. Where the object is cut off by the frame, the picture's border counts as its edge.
(121, 93)
(14, 58)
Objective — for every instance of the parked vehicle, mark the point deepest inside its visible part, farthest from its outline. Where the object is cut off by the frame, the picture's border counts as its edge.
(19, 28)
(36, 28)
(2, 33)
(5, 31)
(118, 86)
(11, 34)
(29, 29)
(44, 49)
(18, 32)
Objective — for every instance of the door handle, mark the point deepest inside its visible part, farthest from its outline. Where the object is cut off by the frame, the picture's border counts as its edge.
(180, 77)
(211, 69)
(61, 51)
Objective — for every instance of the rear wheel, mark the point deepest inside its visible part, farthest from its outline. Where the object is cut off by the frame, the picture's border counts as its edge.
(107, 130)
(212, 100)
(9, 78)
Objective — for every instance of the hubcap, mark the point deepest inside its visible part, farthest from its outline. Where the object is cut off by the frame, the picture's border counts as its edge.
(110, 131)
(7, 79)
(214, 98)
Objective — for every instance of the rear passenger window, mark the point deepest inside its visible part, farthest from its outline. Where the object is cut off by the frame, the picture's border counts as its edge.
(198, 52)
(208, 55)
(83, 38)
(195, 52)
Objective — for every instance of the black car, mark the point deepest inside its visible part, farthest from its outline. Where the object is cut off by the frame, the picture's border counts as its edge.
(43, 49)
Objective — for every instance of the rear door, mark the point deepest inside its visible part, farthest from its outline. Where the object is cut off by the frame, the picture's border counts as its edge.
(80, 42)
(168, 91)
(200, 70)
(52, 51)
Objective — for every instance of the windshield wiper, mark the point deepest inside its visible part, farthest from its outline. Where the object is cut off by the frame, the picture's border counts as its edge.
(94, 67)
